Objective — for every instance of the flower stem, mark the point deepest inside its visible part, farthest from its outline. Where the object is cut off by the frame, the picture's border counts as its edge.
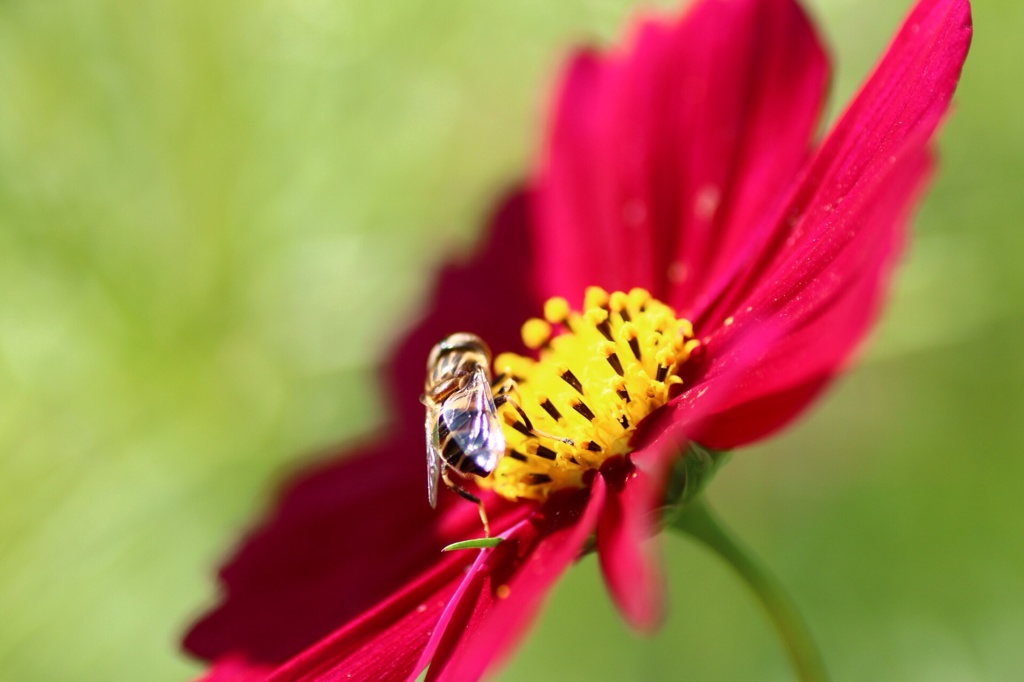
(701, 523)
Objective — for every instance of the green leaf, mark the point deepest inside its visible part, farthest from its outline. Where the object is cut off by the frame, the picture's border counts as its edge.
(479, 543)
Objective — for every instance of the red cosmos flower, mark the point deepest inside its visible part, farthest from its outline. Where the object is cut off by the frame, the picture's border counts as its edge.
(684, 164)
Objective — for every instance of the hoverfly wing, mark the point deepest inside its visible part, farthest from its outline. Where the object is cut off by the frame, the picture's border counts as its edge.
(472, 419)
(433, 453)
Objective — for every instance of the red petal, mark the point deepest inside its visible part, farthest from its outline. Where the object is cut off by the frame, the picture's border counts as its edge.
(630, 565)
(661, 156)
(895, 113)
(820, 328)
(763, 371)
(822, 279)
(504, 592)
(342, 539)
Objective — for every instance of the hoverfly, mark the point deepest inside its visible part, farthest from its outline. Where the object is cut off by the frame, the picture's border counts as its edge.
(462, 428)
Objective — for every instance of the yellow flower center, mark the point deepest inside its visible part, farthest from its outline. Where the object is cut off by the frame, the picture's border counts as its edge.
(590, 386)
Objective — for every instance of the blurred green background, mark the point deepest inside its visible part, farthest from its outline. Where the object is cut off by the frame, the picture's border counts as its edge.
(187, 192)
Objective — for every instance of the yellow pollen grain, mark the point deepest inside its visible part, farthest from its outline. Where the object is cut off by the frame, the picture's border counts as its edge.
(503, 591)
(536, 333)
(591, 383)
(556, 310)
(595, 297)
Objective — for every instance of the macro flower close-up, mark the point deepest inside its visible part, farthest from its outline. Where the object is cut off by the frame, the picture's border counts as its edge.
(687, 266)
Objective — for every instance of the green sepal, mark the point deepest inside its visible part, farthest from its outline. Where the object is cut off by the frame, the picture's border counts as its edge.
(689, 476)
(478, 543)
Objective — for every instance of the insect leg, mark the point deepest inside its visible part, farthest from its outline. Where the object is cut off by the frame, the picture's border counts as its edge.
(466, 495)
(503, 398)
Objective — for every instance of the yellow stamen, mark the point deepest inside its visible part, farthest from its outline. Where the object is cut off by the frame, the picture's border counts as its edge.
(591, 385)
